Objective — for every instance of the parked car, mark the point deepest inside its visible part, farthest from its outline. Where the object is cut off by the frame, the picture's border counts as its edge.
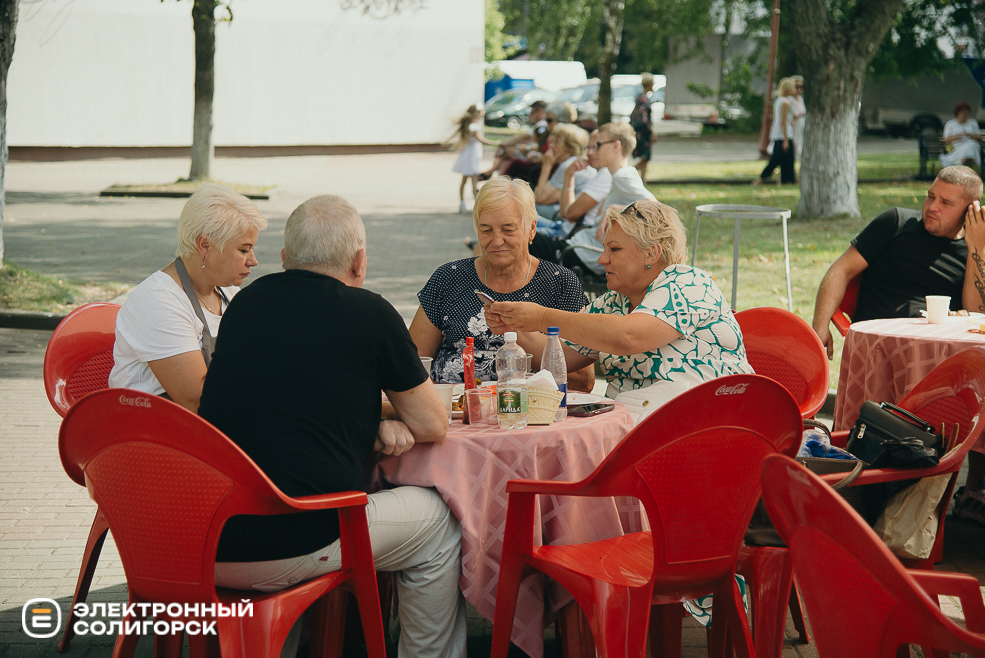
(511, 108)
(585, 98)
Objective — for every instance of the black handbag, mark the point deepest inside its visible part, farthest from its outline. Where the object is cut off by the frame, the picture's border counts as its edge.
(886, 436)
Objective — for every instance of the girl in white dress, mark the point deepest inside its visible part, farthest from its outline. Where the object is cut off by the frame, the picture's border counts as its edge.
(469, 162)
(964, 138)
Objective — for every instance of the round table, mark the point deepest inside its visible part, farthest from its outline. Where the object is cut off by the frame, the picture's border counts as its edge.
(884, 359)
(470, 469)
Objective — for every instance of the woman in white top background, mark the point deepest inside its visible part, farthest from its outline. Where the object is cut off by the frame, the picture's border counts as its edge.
(781, 133)
(799, 115)
(964, 138)
(166, 327)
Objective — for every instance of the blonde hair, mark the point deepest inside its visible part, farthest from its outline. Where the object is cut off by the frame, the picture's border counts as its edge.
(220, 214)
(571, 137)
(324, 231)
(963, 176)
(503, 192)
(650, 224)
(621, 131)
(786, 87)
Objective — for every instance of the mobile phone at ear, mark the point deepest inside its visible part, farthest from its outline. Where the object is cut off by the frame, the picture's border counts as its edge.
(590, 409)
(484, 298)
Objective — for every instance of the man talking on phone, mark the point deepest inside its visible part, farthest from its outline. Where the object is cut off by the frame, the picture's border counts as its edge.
(904, 255)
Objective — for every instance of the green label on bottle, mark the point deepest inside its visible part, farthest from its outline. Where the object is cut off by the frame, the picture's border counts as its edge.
(512, 400)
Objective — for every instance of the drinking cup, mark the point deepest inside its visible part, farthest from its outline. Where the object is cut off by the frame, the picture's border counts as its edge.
(482, 407)
(445, 393)
(426, 362)
(529, 362)
(937, 307)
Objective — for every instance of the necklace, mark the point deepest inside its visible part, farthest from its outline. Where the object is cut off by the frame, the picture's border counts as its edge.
(485, 273)
(207, 306)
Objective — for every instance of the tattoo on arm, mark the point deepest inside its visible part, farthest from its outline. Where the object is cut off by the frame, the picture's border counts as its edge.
(979, 278)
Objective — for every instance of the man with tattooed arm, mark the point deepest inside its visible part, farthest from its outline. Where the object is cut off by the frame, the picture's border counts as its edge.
(904, 255)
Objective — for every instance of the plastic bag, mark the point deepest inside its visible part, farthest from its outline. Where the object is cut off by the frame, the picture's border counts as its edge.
(908, 525)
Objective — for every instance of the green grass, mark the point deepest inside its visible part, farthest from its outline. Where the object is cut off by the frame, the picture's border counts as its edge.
(814, 243)
(25, 290)
(893, 166)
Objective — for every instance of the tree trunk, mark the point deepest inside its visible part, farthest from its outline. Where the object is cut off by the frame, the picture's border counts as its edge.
(834, 52)
(8, 28)
(613, 15)
(203, 23)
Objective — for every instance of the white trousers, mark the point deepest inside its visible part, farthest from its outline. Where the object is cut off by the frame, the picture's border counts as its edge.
(413, 533)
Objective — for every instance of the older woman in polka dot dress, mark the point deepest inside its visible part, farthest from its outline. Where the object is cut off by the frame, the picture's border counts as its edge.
(505, 219)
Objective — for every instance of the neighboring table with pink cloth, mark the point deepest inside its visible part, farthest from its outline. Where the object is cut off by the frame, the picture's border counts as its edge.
(470, 469)
(884, 359)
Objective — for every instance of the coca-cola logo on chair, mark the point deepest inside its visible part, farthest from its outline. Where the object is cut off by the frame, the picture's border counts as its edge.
(738, 389)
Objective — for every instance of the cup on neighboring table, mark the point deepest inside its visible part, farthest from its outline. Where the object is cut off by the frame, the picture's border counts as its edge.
(445, 393)
(937, 308)
(481, 406)
(426, 362)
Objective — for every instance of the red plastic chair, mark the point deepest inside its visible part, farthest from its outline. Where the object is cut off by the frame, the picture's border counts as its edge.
(861, 601)
(80, 355)
(77, 362)
(694, 465)
(952, 393)
(842, 318)
(167, 482)
(784, 348)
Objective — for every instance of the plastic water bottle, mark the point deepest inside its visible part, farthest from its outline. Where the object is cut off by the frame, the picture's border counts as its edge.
(511, 387)
(553, 360)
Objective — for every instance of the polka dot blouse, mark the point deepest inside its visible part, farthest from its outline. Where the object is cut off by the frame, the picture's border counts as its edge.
(449, 301)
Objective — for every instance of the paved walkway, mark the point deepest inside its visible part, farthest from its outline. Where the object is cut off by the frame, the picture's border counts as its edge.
(58, 225)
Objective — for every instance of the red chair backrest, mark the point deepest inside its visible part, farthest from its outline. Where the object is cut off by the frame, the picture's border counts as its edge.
(842, 317)
(694, 465)
(783, 347)
(167, 481)
(79, 356)
(859, 598)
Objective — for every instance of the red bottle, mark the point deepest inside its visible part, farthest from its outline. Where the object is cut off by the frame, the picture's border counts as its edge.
(468, 360)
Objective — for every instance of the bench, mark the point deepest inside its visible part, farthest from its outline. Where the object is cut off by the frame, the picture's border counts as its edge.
(931, 147)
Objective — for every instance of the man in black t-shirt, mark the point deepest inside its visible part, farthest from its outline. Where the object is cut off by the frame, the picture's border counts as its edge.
(296, 381)
(904, 255)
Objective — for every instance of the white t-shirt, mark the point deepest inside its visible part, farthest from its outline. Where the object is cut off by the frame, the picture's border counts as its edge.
(155, 322)
(776, 128)
(597, 189)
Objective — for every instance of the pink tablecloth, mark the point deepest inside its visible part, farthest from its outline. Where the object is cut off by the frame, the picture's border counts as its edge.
(884, 359)
(470, 469)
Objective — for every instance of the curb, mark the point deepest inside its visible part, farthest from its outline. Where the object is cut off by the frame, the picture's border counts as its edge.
(168, 195)
(11, 319)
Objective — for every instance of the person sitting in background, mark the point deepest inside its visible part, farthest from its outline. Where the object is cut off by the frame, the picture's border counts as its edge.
(299, 368)
(963, 138)
(525, 147)
(616, 142)
(566, 144)
(903, 256)
(505, 221)
(660, 321)
(166, 327)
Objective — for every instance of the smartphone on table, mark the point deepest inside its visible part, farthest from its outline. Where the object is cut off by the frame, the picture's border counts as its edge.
(590, 409)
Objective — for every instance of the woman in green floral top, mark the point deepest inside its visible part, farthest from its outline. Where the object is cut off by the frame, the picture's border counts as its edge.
(661, 320)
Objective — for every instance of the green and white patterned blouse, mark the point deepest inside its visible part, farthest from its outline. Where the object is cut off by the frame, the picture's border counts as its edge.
(688, 300)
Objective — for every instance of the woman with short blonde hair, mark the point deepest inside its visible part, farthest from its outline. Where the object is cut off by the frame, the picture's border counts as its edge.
(566, 144)
(166, 328)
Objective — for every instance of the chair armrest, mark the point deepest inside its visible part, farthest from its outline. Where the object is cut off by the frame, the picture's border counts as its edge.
(876, 475)
(963, 586)
(840, 439)
(328, 501)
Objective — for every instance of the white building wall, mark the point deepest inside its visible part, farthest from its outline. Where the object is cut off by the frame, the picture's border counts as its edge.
(297, 72)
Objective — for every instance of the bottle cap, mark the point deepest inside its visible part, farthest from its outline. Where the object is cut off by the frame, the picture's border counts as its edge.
(510, 336)
(469, 340)
(553, 331)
